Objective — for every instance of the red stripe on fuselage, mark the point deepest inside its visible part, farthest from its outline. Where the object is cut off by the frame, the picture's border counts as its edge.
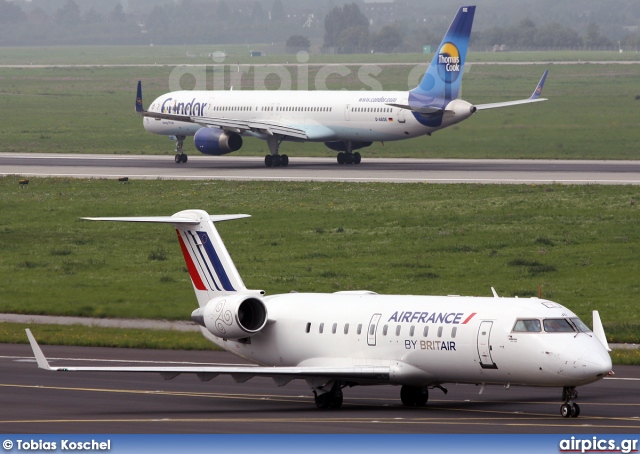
(193, 271)
(469, 318)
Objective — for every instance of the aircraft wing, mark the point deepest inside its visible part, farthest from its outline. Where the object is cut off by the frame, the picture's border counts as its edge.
(260, 126)
(535, 97)
(281, 375)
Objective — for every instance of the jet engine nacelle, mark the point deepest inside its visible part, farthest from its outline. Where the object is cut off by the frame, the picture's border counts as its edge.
(232, 316)
(214, 141)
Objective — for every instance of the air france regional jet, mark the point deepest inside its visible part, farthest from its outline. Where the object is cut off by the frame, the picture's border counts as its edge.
(344, 339)
(344, 120)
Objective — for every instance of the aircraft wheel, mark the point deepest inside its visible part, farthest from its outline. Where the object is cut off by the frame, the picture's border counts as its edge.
(268, 160)
(284, 160)
(341, 157)
(565, 410)
(178, 159)
(413, 396)
(323, 401)
(575, 410)
(184, 158)
(348, 158)
(357, 158)
(277, 162)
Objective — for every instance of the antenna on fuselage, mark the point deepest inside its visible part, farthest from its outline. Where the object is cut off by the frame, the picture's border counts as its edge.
(495, 294)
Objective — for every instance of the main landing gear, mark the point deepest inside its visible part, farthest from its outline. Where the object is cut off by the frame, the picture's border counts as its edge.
(415, 396)
(569, 409)
(348, 156)
(274, 159)
(181, 157)
(331, 399)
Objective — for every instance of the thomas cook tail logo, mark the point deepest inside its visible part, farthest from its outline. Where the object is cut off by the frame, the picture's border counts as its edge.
(449, 62)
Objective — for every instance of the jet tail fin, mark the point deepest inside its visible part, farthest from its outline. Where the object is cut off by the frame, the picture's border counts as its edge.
(441, 83)
(210, 267)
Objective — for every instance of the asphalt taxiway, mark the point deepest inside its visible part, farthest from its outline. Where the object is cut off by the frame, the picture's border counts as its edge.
(498, 171)
(38, 401)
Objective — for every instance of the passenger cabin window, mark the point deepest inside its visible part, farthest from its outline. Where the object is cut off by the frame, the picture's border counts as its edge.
(557, 325)
(334, 328)
(527, 326)
(425, 333)
(346, 328)
(308, 327)
(360, 329)
(384, 330)
(454, 331)
(440, 331)
(398, 330)
(321, 328)
(412, 330)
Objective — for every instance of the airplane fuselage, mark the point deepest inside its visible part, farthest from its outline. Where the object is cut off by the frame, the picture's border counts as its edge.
(426, 340)
(359, 116)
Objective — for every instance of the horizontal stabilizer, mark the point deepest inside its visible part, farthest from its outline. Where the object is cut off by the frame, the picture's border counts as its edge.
(422, 110)
(535, 97)
(171, 219)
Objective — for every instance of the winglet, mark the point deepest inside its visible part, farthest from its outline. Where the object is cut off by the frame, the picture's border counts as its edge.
(538, 91)
(37, 352)
(598, 330)
(139, 107)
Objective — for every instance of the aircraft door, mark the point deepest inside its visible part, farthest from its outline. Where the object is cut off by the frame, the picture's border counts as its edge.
(373, 327)
(347, 116)
(402, 112)
(484, 345)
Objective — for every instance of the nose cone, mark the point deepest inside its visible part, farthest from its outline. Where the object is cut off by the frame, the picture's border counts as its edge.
(598, 364)
(587, 362)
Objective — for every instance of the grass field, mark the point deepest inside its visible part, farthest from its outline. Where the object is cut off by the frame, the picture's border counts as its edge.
(580, 243)
(90, 110)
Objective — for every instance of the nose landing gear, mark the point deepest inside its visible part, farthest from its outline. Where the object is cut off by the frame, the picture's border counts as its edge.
(569, 409)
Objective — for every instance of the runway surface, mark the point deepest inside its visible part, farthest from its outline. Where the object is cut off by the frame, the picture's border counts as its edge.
(323, 169)
(37, 401)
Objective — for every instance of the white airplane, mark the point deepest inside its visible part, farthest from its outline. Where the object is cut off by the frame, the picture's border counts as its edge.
(352, 338)
(344, 120)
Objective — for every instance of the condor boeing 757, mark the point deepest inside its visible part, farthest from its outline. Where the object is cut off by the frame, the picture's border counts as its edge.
(344, 120)
(345, 339)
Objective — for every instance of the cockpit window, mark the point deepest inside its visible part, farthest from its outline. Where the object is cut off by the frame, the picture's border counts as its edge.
(558, 325)
(527, 326)
(580, 325)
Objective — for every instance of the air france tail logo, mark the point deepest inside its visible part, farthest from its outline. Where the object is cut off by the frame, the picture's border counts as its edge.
(449, 62)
